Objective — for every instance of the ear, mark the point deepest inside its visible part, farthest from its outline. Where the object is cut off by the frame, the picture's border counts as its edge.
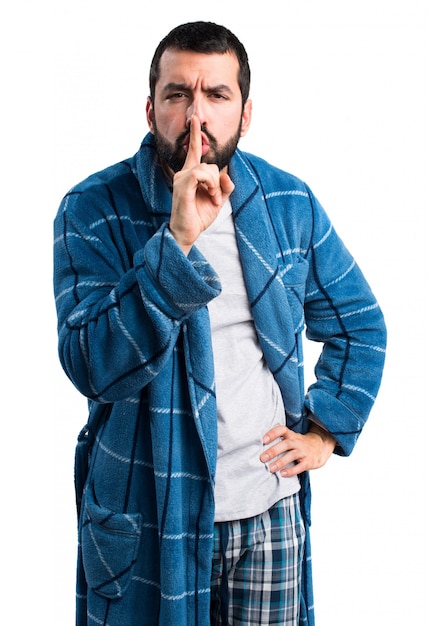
(246, 117)
(150, 114)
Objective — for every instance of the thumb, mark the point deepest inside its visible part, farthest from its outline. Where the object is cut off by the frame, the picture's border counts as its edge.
(226, 184)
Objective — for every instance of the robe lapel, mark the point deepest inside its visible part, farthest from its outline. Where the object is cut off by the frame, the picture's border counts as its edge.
(153, 184)
(263, 270)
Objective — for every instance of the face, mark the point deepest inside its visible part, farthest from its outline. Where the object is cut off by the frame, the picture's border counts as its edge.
(205, 85)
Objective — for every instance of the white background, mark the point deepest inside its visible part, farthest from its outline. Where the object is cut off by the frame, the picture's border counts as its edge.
(339, 91)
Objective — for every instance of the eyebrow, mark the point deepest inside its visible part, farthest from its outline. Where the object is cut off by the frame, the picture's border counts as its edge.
(183, 87)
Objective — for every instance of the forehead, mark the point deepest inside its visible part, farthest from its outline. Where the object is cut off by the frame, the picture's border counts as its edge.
(189, 68)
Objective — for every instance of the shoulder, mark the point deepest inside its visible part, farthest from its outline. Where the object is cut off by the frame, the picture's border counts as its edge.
(269, 175)
(288, 200)
(115, 185)
(121, 173)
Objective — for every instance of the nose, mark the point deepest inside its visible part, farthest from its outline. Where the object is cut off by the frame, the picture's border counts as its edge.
(197, 108)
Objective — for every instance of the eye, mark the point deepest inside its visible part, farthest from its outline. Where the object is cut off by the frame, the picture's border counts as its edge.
(218, 96)
(176, 96)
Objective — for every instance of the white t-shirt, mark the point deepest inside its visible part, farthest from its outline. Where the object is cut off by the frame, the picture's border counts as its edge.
(249, 400)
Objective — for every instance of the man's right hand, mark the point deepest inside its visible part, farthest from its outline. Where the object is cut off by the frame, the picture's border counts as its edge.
(199, 192)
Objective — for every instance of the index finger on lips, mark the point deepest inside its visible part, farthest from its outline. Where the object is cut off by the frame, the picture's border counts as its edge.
(194, 153)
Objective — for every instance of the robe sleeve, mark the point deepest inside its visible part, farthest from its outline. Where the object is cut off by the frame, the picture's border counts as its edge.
(119, 318)
(342, 313)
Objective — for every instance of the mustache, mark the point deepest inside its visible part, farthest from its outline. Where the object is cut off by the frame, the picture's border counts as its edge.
(180, 139)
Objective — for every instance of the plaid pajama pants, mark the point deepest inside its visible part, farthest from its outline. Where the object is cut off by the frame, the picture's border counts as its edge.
(256, 568)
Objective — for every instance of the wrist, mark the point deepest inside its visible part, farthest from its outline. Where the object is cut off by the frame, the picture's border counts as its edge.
(185, 247)
(326, 437)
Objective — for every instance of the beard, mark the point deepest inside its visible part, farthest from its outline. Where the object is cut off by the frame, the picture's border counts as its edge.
(173, 154)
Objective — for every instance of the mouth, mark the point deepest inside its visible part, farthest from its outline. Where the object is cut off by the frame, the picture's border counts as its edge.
(205, 143)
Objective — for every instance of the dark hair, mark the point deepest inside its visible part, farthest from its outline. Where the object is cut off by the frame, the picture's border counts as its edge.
(208, 38)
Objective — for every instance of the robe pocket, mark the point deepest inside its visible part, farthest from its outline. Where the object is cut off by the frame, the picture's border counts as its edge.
(294, 280)
(110, 542)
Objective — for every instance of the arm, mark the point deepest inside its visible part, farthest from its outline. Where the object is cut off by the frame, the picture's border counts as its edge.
(341, 313)
(119, 318)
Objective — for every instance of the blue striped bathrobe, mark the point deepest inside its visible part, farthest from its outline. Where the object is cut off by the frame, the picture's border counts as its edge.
(134, 338)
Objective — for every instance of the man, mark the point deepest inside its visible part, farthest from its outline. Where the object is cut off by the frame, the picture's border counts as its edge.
(184, 277)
